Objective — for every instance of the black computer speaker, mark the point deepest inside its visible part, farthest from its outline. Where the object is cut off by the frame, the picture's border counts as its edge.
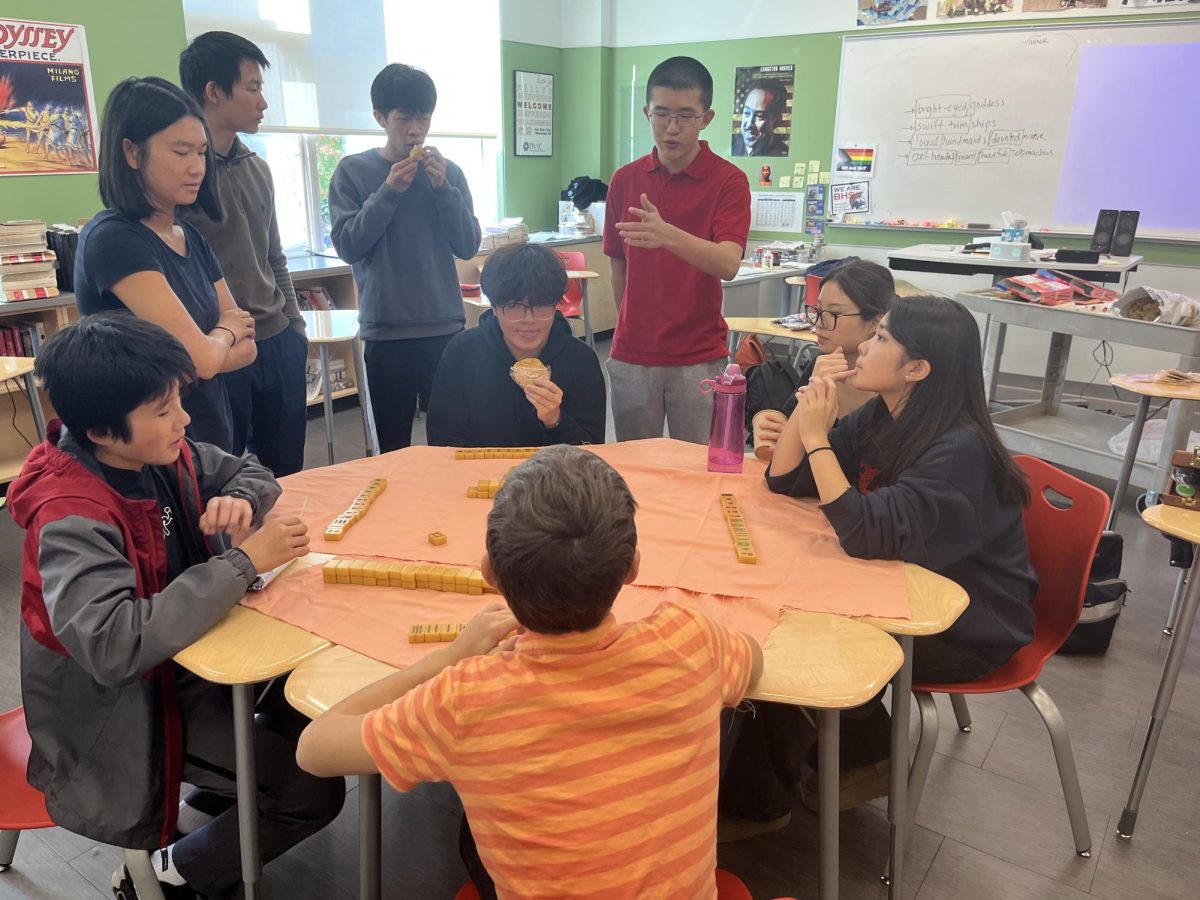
(1106, 224)
(1122, 240)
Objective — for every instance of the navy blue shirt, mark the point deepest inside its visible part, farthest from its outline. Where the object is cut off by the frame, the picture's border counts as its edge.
(112, 247)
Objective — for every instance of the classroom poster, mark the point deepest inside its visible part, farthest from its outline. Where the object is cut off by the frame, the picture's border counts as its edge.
(533, 114)
(891, 12)
(814, 200)
(762, 110)
(1053, 6)
(1153, 5)
(47, 111)
(957, 9)
(854, 159)
(851, 197)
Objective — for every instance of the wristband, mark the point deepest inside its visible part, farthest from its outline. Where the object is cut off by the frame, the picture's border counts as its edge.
(231, 334)
(819, 449)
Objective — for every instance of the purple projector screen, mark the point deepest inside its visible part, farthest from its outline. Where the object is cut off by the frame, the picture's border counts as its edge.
(1134, 141)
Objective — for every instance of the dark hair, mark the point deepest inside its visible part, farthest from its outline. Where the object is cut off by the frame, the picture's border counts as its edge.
(405, 88)
(137, 109)
(216, 56)
(679, 73)
(524, 273)
(778, 91)
(942, 332)
(561, 539)
(869, 285)
(104, 367)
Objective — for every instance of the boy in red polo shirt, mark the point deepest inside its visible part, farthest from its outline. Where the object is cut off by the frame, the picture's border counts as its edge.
(678, 226)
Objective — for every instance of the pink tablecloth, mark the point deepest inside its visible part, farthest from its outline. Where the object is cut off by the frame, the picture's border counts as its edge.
(687, 554)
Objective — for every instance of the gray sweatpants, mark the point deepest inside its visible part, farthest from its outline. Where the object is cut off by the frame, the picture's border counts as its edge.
(643, 396)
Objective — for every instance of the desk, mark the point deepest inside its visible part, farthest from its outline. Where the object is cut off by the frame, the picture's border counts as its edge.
(583, 277)
(243, 649)
(767, 327)
(1185, 524)
(743, 289)
(1064, 435)
(815, 660)
(948, 259)
(1145, 388)
(22, 367)
(935, 603)
(335, 326)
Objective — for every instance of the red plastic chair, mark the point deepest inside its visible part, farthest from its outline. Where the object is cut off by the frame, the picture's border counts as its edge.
(1062, 544)
(572, 305)
(729, 887)
(23, 808)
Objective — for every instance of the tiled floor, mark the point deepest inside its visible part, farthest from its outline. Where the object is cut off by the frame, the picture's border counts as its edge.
(992, 825)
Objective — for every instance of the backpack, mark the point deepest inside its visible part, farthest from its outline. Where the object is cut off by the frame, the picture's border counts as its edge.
(770, 382)
(1102, 602)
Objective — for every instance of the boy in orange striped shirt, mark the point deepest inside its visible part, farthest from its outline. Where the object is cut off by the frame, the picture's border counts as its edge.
(565, 741)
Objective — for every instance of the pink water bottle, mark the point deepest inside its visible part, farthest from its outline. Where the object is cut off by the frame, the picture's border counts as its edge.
(727, 436)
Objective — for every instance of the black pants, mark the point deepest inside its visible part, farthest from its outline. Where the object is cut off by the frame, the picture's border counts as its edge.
(765, 749)
(291, 803)
(397, 371)
(268, 399)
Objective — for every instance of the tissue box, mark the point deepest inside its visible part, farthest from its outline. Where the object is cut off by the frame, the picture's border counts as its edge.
(1010, 251)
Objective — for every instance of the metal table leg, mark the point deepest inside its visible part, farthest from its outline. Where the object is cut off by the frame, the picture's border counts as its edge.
(1135, 438)
(1056, 373)
(1162, 703)
(326, 398)
(829, 725)
(993, 349)
(1173, 612)
(370, 852)
(588, 336)
(363, 399)
(247, 787)
(898, 778)
(35, 406)
(785, 298)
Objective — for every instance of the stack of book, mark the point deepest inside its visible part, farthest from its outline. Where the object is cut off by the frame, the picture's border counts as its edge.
(509, 231)
(26, 266)
(21, 337)
(314, 298)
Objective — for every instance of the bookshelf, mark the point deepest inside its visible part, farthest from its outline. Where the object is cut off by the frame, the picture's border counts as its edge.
(20, 430)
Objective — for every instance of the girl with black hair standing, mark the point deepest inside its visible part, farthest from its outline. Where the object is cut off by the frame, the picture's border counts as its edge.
(154, 158)
(917, 474)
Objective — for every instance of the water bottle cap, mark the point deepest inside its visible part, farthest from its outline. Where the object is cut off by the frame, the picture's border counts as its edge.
(731, 381)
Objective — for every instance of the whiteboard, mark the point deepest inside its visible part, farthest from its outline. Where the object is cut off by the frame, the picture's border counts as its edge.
(1053, 123)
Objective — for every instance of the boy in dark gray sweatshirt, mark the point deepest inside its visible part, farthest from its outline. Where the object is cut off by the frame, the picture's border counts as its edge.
(400, 215)
(268, 398)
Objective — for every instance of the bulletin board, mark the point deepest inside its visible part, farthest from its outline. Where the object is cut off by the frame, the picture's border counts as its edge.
(1053, 123)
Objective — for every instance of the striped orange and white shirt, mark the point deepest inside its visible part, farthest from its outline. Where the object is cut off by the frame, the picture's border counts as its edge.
(587, 762)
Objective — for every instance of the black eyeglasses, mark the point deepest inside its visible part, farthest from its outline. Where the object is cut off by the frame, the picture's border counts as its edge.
(824, 318)
(515, 312)
(686, 118)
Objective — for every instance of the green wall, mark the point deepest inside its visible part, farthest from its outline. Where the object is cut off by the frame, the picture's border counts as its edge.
(143, 39)
(598, 151)
(530, 184)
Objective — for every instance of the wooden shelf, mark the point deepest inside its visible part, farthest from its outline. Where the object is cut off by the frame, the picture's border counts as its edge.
(337, 395)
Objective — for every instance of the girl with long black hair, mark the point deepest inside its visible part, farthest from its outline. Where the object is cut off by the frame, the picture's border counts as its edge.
(917, 474)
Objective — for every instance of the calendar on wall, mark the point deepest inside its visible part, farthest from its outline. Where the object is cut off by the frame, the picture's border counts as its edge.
(533, 114)
(776, 211)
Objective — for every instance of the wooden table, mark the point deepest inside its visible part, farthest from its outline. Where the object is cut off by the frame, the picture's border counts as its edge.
(935, 603)
(1146, 388)
(244, 649)
(815, 660)
(1184, 524)
(22, 367)
(334, 326)
(740, 325)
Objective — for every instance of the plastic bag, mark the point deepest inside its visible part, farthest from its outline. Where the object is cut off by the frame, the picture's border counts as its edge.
(1152, 440)
(1172, 309)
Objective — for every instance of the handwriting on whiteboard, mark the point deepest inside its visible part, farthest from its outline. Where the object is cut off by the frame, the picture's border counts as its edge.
(965, 130)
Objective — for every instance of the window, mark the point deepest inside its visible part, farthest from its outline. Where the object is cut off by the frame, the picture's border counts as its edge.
(318, 86)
